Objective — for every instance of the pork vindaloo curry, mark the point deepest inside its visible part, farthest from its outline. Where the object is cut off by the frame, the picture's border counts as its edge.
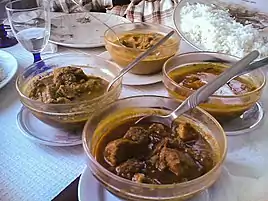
(65, 85)
(154, 154)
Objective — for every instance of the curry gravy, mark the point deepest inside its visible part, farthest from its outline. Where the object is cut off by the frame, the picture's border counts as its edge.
(152, 153)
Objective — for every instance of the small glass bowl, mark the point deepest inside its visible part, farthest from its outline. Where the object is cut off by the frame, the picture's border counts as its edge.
(123, 55)
(137, 107)
(223, 108)
(72, 115)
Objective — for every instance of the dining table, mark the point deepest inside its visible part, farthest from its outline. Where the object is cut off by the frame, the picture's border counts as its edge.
(35, 172)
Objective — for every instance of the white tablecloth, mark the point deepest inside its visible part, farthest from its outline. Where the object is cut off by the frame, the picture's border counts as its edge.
(29, 171)
(34, 172)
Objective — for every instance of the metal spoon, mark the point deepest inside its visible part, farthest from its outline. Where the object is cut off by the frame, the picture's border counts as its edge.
(139, 58)
(256, 65)
(202, 94)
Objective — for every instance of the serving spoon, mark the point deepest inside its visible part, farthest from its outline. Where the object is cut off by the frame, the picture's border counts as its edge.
(202, 94)
(139, 58)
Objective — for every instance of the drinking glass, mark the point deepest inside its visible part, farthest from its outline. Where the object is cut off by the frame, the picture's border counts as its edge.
(30, 23)
(5, 41)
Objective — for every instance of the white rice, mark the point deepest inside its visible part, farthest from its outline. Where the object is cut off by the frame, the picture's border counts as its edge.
(215, 30)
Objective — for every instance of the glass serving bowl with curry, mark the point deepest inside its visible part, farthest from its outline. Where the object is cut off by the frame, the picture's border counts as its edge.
(185, 73)
(135, 38)
(65, 90)
(150, 161)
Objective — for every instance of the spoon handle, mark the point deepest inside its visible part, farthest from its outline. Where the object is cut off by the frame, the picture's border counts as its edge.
(202, 94)
(140, 57)
(256, 65)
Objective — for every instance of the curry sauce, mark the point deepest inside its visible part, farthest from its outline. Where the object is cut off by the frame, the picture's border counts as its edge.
(194, 76)
(155, 154)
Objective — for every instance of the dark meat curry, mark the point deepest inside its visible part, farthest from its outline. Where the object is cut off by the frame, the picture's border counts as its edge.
(155, 154)
(195, 76)
(65, 85)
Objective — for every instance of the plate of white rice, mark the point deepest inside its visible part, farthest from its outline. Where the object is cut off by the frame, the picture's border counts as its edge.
(8, 67)
(233, 27)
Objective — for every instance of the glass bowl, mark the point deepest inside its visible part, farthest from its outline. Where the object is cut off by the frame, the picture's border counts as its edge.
(71, 115)
(222, 107)
(123, 55)
(136, 107)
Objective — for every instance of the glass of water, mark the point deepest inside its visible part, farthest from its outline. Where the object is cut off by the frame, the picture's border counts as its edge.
(30, 23)
(5, 40)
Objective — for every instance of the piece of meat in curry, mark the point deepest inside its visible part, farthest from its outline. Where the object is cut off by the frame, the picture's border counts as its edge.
(154, 154)
(194, 76)
(141, 40)
(65, 85)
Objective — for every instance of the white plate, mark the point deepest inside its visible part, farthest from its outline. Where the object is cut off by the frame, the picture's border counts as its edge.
(67, 30)
(90, 189)
(132, 79)
(224, 189)
(9, 65)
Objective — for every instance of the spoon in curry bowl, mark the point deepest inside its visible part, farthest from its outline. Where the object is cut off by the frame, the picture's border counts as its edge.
(139, 58)
(202, 94)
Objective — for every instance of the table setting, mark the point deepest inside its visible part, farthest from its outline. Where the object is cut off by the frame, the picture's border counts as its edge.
(74, 89)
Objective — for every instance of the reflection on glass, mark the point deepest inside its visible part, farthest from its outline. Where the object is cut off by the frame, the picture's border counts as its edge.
(5, 40)
(30, 23)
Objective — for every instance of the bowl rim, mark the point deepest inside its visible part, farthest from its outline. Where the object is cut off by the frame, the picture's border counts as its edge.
(21, 94)
(86, 148)
(7, 7)
(165, 74)
(145, 23)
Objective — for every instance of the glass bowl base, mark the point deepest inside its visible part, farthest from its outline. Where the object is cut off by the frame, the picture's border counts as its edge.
(39, 132)
(246, 122)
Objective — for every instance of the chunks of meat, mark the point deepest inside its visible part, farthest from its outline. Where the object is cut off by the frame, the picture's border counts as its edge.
(193, 82)
(157, 132)
(179, 163)
(137, 134)
(118, 151)
(158, 129)
(155, 154)
(169, 158)
(240, 87)
(68, 75)
(140, 41)
(186, 132)
(170, 143)
(129, 168)
(201, 152)
(65, 85)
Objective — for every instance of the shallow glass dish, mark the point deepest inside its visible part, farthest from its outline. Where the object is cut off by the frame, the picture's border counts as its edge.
(222, 107)
(139, 106)
(123, 55)
(72, 115)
